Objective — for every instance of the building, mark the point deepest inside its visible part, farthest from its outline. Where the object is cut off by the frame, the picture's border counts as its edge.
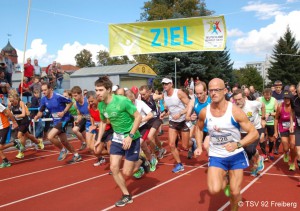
(262, 67)
(10, 52)
(126, 75)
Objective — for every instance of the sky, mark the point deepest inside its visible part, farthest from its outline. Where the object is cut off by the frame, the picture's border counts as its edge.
(60, 29)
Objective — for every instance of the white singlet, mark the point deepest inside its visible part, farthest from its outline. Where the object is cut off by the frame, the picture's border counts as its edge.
(251, 109)
(222, 130)
(175, 106)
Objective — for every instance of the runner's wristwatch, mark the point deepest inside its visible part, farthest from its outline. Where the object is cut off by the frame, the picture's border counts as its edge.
(131, 135)
(239, 145)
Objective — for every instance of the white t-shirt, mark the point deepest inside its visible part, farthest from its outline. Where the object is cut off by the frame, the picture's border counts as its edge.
(251, 109)
(143, 109)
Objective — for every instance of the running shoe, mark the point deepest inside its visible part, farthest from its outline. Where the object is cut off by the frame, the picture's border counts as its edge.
(156, 148)
(265, 157)
(18, 145)
(227, 190)
(145, 164)
(75, 159)
(190, 154)
(100, 161)
(254, 172)
(41, 144)
(83, 146)
(126, 199)
(62, 155)
(153, 163)
(271, 156)
(161, 153)
(261, 164)
(292, 167)
(179, 167)
(276, 151)
(286, 158)
(194, 146)
(20, 155)
(139, 173)
(5, 164)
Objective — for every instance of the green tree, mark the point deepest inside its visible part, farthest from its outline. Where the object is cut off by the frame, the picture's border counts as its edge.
(84, 59)
(104, 59)
(205, 65)
(285, 60)
(249, 76)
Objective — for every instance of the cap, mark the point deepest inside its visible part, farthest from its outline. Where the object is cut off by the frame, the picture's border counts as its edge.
(125, 89)
(166, 80)
(114, 88)
(135, 90)
(287, 94)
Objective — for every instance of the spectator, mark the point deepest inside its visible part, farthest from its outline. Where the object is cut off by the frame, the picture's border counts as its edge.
(59, 76)
(9, 67)
(37, 68)
(4, 85)
(28, 69)
(36, 84)
(25, 90)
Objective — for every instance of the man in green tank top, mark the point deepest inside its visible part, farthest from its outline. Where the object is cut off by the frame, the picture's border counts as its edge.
(271, 105)
(125, 120)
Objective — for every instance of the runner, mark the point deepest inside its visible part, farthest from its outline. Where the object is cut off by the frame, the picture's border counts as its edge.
(5, 130)
(226, 152)
(58, 106)
(296, 111)
(21, 114)
(125, 121)
(83, 122)
(175, 104)
(284, 126)
(252, 109)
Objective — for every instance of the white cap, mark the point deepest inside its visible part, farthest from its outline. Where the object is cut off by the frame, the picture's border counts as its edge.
(114, 88)
(125, 89)
(166, 80)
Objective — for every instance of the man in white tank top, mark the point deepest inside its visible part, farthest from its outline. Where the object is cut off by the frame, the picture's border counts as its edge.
(226, 153)
(176, 102)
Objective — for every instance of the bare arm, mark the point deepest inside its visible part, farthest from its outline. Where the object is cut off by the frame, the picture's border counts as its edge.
(199, 131)
(277, 116)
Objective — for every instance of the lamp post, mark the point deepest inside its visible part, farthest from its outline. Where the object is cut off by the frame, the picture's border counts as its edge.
(176, 60)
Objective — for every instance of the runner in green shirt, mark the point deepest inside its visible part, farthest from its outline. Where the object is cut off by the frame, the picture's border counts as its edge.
(125, 121)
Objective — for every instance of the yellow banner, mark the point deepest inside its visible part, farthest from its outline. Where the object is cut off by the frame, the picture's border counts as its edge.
(176, 35)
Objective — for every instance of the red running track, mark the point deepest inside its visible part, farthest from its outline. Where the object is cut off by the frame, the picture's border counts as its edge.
(40, 182)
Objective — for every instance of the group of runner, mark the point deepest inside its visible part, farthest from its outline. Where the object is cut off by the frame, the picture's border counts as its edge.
(107, 122)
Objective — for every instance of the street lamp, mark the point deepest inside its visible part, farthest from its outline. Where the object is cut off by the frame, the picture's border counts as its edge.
(176, 60)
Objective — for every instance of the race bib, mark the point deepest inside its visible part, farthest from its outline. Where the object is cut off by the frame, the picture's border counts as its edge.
(189, 124)
(87, 116)
(219, 139)
(118, 138)
(55, 116)
(286, 125)
(96, 123)
(270, 119)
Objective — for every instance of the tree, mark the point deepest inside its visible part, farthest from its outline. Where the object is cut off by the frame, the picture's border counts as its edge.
(249, 76)
(285, 62)
(205, 65)
(103, 59)
(84, 59)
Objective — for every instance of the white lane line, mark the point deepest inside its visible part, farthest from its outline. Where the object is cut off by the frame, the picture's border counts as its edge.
(34, 158)
(252, 182)
(157, 186)
(44, 170)
(50, 191)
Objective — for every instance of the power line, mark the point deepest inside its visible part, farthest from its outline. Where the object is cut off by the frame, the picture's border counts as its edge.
(69, 16)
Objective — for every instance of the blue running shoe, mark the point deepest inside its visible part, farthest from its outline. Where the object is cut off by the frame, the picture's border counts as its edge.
(261, 164)
(179, 167)
(62, 155)
(194, 146)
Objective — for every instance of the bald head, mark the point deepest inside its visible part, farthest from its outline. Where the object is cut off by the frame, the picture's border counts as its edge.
(217, 82)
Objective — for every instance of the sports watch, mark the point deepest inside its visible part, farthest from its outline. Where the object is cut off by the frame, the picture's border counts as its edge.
(239, 145)
(131, 135)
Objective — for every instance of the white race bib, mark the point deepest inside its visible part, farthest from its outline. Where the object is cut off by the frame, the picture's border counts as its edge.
(55, 116)
(118, 138)
(286, 125)
(221, 138)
